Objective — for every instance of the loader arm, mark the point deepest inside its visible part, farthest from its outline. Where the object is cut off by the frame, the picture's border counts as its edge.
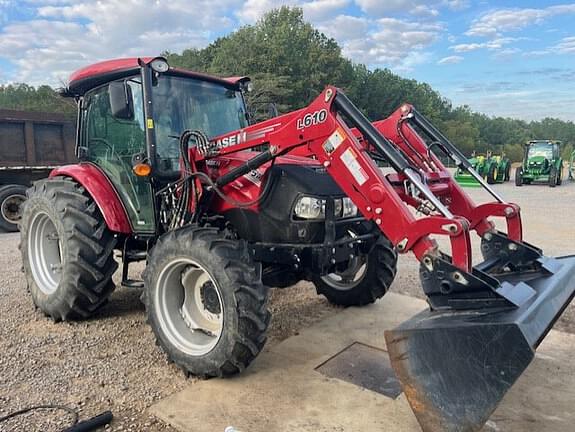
(401, 128)
(456, 360)
(320, 131)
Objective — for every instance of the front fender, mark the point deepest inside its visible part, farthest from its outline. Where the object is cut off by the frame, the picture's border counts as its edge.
(102, 191)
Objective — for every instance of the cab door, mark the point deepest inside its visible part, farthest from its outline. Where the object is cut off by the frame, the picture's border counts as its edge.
(111, 143)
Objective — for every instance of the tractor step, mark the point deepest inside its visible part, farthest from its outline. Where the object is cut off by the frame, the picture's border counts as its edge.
(456, 366)
(133, 283)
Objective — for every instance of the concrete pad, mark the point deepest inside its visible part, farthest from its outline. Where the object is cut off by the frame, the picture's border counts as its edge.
(282, 391)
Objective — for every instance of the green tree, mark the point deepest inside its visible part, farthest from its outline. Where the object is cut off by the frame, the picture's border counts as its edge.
(464, 134)
(287, 58)
(28, 98)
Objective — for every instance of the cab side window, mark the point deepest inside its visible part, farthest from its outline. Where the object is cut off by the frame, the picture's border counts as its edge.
(111, 144)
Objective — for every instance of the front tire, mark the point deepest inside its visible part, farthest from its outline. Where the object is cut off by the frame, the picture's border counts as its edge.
(364, 284)
(553, 177)
(67, 250)
(205, 301)
(519, 177)
(492, 174)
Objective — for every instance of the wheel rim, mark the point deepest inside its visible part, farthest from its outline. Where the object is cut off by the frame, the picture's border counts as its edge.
(350, 277)
(11, 208)
(189, 307)
(44, 253)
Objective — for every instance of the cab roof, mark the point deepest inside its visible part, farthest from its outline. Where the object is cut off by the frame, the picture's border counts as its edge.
(92, 76)
(544, 141)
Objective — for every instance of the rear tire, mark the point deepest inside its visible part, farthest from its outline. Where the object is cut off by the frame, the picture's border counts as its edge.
(507, 176)
(12, 198)
(379, 269)
(519, 177)
(67, 250)
(205, 301)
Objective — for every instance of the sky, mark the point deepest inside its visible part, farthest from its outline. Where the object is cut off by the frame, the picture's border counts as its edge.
(505, 58)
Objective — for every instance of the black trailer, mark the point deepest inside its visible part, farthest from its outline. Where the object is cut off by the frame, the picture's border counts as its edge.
(31, 144)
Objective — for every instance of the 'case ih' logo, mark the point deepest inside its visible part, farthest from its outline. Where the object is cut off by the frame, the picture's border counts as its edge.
(228, 141)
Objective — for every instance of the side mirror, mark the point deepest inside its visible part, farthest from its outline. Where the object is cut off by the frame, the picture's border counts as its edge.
(121, 103)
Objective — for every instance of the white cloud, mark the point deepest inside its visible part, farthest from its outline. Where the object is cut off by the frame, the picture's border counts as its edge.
(381, 8)
(394, 43)
(67, 35)
(467, 47)
(457, 5)
(566, 46)
(450, 60)
(505, 20)
(425, 11)
(493, 45)
(345, 27)
(319, 10)
(252, 10)
(314, 10)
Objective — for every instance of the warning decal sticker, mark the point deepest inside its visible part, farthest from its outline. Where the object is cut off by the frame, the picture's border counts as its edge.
(334, 140)
(349, 159)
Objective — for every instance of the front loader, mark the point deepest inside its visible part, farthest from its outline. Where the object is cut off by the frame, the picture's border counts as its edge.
(172, 172)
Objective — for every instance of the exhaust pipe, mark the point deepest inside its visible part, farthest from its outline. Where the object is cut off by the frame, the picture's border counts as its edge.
(455, 365)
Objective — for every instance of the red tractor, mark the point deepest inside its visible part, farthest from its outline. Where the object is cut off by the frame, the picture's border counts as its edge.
(172, 172)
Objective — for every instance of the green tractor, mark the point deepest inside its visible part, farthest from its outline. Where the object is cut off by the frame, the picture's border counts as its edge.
(493, 168)
(541, 162)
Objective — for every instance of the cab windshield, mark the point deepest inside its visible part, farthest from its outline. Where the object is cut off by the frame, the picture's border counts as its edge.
(540, 149)
(186, 103)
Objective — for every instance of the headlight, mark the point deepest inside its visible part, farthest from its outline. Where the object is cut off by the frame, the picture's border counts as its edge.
(308, 207)
(349, 208)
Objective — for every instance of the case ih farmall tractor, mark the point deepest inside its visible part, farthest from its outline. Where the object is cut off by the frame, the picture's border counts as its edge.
(172, 172)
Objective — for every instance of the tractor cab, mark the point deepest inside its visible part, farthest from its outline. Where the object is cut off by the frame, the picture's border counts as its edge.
(541, 153)
(131, 118)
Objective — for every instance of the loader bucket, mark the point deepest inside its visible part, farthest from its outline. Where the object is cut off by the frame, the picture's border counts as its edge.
(456, 366)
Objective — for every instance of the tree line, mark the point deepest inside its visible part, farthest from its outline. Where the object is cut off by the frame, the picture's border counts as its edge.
(290, 62)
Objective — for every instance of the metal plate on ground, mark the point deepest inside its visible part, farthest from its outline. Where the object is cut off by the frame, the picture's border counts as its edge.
(365, 367)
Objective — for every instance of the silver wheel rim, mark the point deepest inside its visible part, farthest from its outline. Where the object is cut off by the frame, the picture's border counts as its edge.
(189, 307)
(11, 208)
(350, 277)
(44, 253)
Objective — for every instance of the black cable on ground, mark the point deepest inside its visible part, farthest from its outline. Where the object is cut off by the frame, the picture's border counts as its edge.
(37, 407)
(83, 426)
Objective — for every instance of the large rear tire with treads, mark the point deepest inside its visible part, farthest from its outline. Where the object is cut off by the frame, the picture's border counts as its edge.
(67, 250)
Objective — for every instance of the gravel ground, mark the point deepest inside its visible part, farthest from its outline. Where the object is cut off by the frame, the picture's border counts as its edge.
(111, 361)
